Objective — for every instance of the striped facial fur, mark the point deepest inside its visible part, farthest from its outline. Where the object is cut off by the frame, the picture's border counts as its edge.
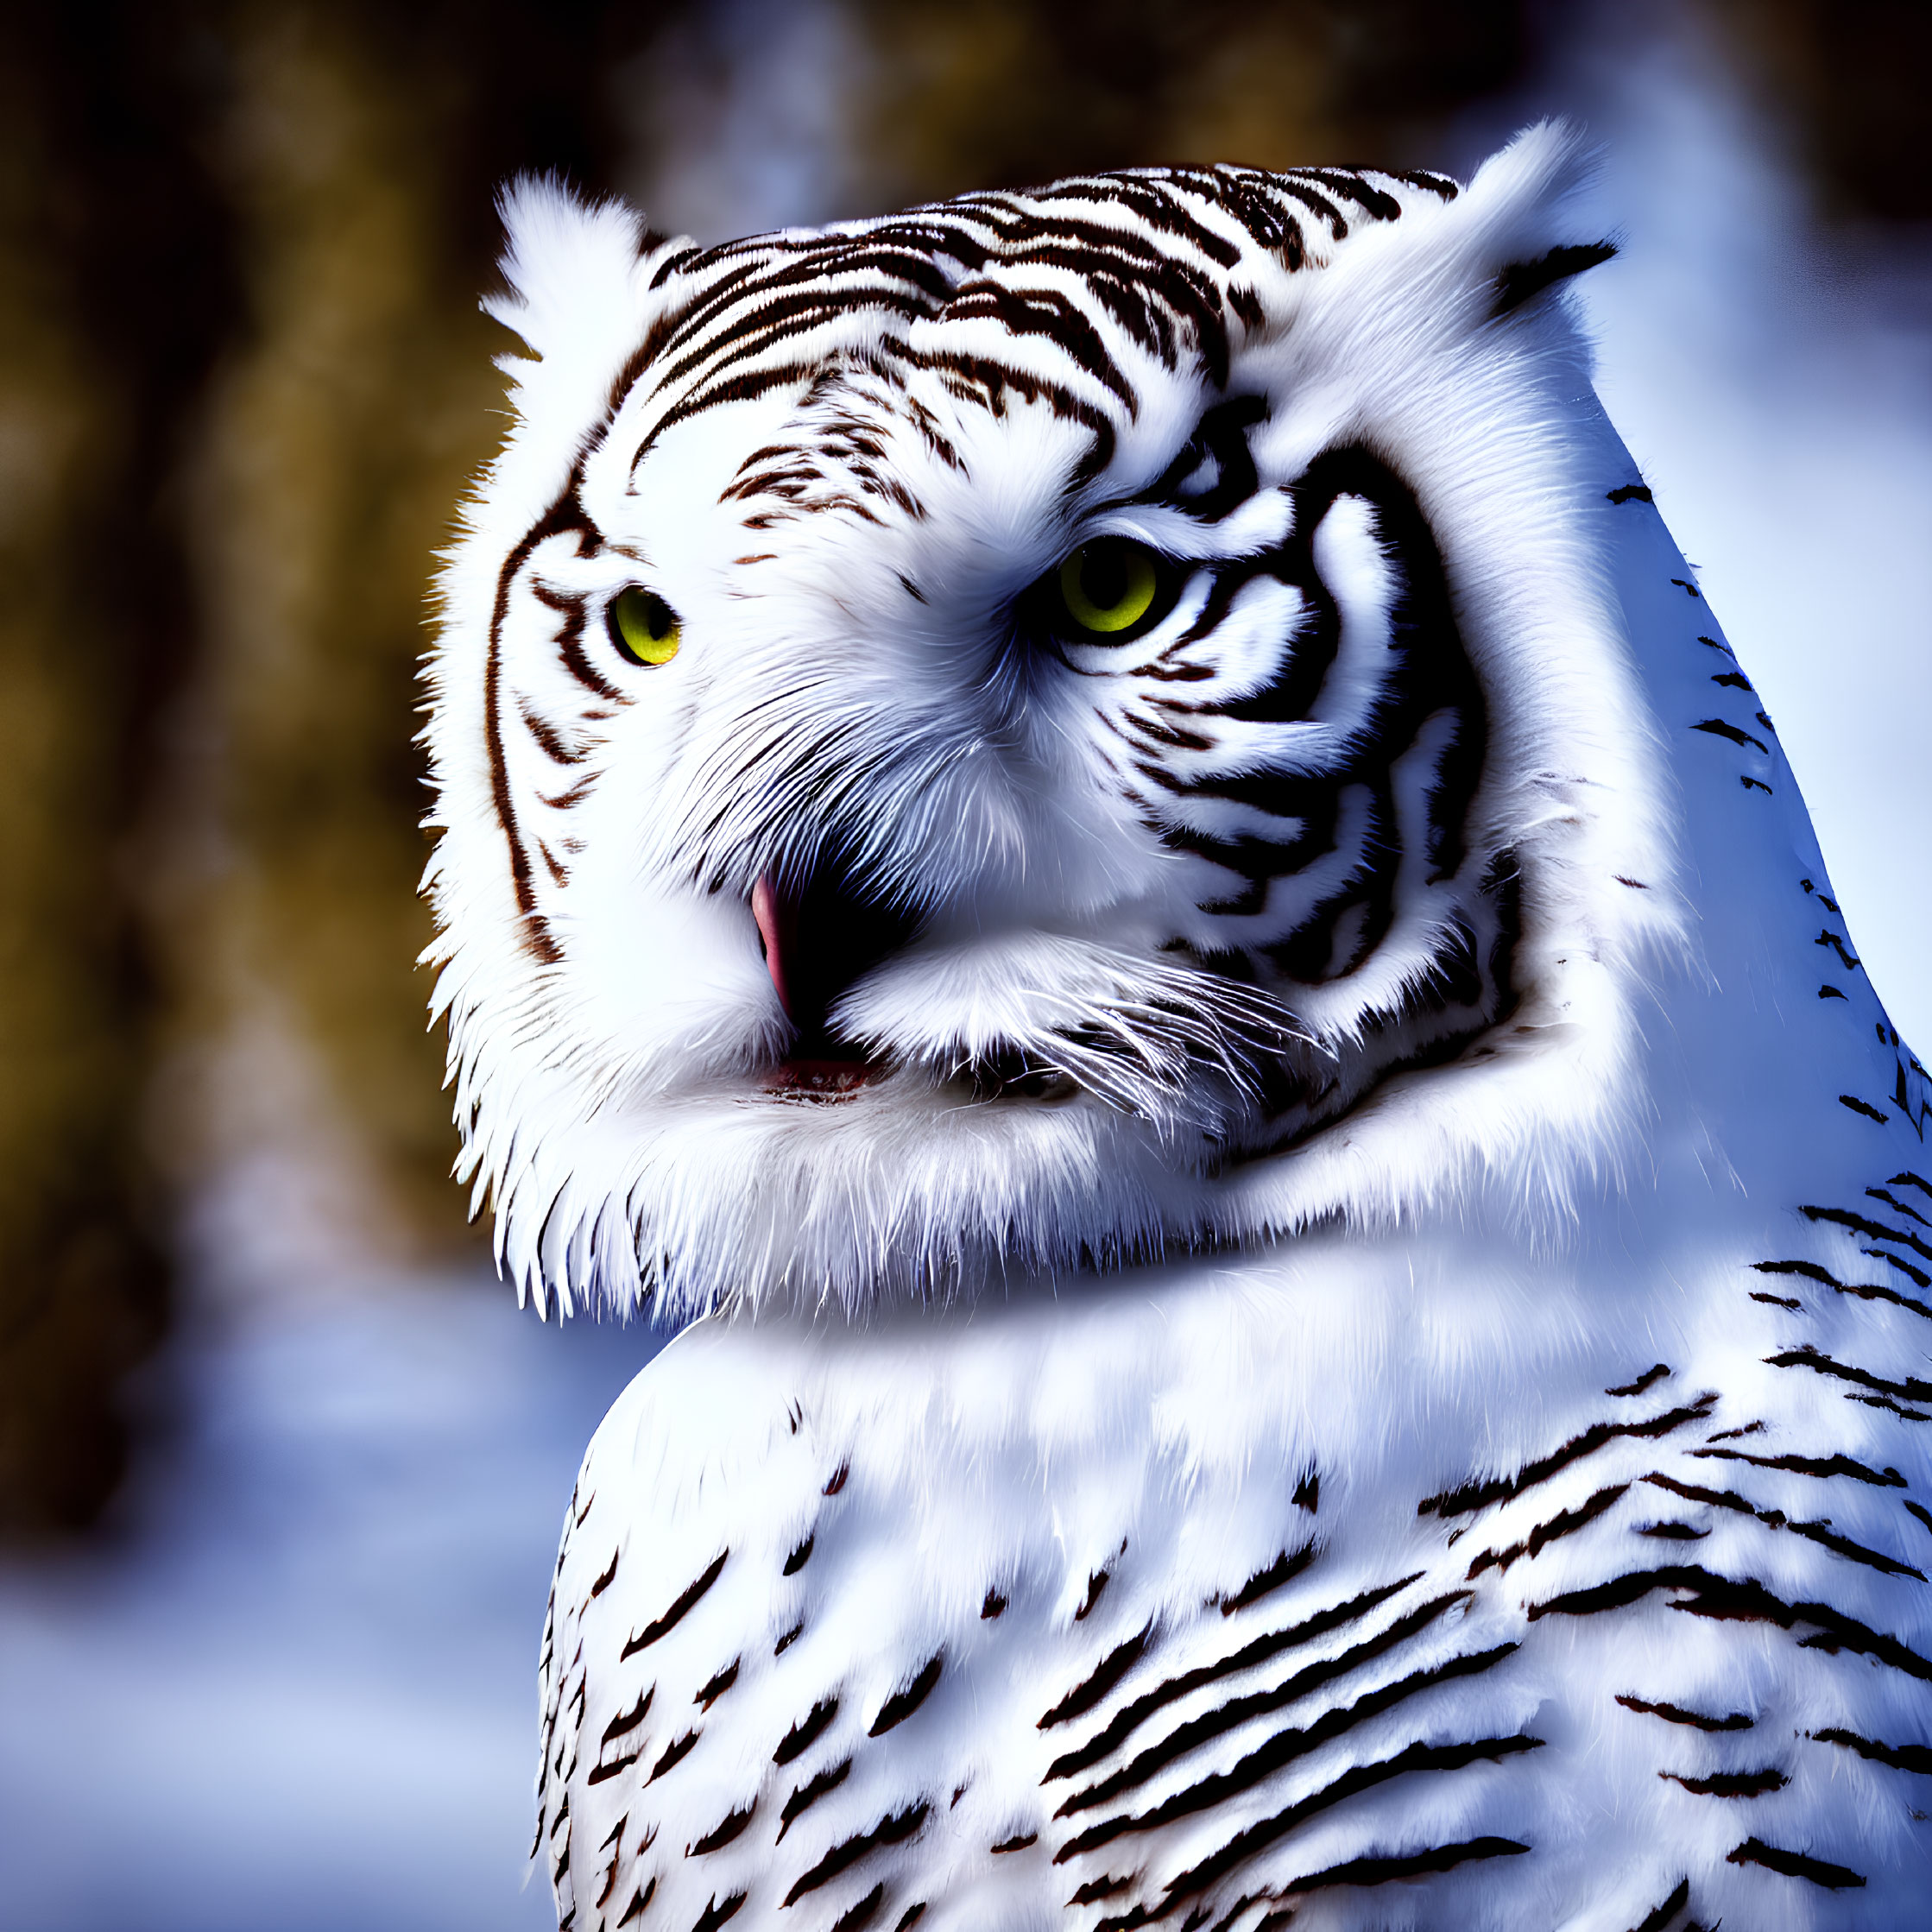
(1019, 733)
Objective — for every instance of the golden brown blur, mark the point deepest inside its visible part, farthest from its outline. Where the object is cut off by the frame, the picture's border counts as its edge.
(243, 378)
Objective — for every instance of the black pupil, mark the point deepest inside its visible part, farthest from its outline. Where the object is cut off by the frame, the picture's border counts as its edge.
(657, 617)
(1104, 574)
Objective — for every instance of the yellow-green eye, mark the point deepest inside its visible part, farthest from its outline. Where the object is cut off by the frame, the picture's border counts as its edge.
(1107, 586)
(644, 627)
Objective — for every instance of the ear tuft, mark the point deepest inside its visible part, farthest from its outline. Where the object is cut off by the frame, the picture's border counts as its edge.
(579, 289)
(1520, 226)
(563, 259)
(1522, 282)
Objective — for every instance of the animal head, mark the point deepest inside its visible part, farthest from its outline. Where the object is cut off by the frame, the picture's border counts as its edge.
(1035, 730)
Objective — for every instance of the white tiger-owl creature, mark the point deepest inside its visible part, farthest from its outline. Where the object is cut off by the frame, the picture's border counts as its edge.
(1102, 828)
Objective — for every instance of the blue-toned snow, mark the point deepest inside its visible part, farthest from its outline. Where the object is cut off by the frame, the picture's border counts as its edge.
(298, 1691)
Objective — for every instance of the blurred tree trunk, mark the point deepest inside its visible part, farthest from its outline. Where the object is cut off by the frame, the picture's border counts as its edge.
(113, 268)
(1852, 76)
(242, 380)
(359, 148)
(337, 439)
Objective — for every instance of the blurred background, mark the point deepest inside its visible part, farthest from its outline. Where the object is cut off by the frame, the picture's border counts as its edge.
(281, 1466)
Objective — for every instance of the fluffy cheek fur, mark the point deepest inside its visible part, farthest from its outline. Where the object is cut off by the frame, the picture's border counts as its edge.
(845, 684)
(664, 988)
(712, 1203)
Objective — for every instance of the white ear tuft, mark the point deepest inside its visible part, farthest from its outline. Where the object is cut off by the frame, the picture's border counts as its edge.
(569, 263)
(1521, 203)
(1431, 283)
(1545, 162)
(579, 292)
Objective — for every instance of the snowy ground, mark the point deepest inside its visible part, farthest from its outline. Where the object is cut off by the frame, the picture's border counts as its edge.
(298, 1693)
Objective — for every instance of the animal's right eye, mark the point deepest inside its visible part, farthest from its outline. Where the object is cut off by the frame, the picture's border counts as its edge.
(1108, 591)
(1108, 586)
(644, 627)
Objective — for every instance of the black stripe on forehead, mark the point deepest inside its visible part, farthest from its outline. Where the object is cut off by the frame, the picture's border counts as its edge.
(1142, 243)
(1052, 313)
(817, 277)
(1149, 199)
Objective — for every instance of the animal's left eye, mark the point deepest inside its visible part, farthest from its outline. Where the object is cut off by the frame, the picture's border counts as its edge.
(644, 627)
(1107, 591)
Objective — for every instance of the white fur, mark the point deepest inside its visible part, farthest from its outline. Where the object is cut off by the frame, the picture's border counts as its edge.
(1472, 1265)
(609, 1099)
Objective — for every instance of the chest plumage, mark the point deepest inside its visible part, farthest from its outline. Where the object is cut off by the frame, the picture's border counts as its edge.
(1101, 827)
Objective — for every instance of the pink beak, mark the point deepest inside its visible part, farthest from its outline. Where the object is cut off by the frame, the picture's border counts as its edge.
(777, 928)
